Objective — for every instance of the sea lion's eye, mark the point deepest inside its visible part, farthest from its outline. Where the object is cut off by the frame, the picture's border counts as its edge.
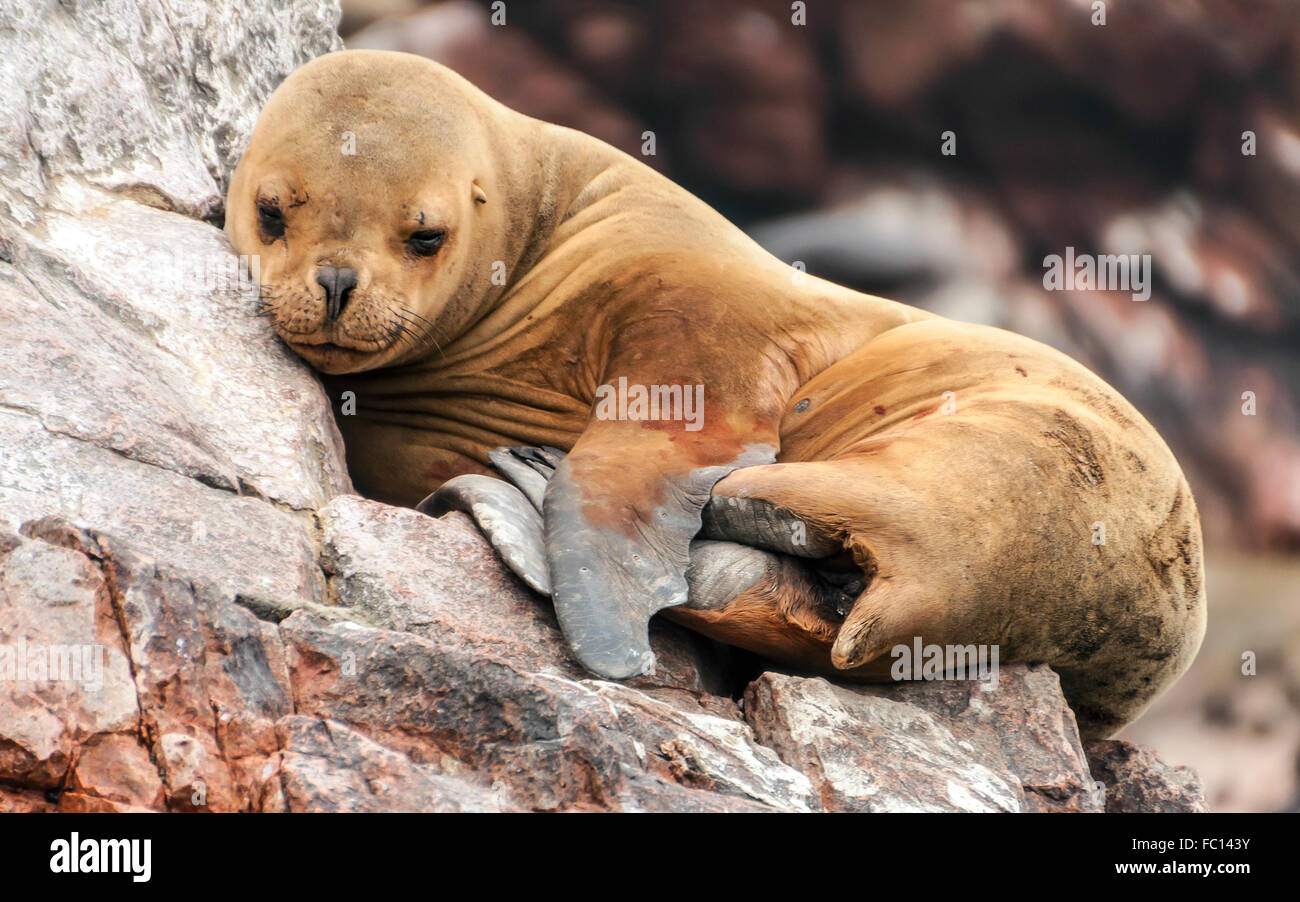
(271, 220)
(425, 243)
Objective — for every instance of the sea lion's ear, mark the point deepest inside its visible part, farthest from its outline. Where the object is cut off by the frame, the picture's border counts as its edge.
(480, 196)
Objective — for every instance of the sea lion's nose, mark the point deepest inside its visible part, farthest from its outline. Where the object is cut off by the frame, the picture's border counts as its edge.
(338, 284)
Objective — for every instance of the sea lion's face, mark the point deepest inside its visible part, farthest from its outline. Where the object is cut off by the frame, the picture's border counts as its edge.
(359, 196)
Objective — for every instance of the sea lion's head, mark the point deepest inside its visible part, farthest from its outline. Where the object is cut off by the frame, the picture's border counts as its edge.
(369, 197)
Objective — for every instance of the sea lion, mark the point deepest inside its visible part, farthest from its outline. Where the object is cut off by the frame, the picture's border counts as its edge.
(865, 472)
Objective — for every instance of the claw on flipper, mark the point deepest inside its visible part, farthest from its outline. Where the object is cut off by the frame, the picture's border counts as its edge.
(528, 468)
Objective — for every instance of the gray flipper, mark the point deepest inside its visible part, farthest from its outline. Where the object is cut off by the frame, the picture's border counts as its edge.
(612, 568)
(740, 541)
(505, 515)
(752, 521)
(720, 571)
(528, 468)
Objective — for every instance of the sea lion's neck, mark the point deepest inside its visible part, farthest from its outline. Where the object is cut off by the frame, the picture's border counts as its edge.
(590, 225)
(553, 175)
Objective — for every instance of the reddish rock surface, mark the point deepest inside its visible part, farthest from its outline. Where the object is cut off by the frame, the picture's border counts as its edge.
(1135, 779)
(204, 706)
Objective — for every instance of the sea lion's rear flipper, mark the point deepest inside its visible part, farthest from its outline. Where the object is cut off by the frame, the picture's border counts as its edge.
(866, 575)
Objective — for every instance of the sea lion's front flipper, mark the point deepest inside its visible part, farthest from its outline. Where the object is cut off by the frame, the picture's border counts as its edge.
(617, 539)
(671, 415)
(505, 515)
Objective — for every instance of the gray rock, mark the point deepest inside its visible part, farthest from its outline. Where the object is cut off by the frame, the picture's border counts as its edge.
(151, 99)
(160, 513)
(139, 396)
(1042, 751)
(929, 745)
(864, 752)
(1137, 780)
(324, 766)
(139, 304)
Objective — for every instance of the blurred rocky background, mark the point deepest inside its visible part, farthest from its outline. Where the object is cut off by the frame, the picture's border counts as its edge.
(1173, 129)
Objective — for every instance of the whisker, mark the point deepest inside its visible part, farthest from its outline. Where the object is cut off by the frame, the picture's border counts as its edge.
(428, 337)
(416, 315)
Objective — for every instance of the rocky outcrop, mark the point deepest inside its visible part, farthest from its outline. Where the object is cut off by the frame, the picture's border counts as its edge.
(197, 613)
(188, 698)
(941, 746)
(1135, 779)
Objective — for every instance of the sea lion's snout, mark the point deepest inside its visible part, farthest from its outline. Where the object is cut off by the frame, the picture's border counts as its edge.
(338, 283)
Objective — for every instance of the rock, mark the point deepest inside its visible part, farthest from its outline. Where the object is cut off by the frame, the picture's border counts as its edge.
(115, 768)
(709, 750)
(159, 513)
(19, 801)
(55, 606)
(1136, 780)
(558, 743)
(928, 746)
(1044, 753)
(140, 396)
(205, 684)
(142, 305)
(186, 90)
(324, 766)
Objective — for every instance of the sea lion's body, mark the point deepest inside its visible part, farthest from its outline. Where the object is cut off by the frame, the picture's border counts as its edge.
(963, 469)
(987, 523)
(629, 241)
